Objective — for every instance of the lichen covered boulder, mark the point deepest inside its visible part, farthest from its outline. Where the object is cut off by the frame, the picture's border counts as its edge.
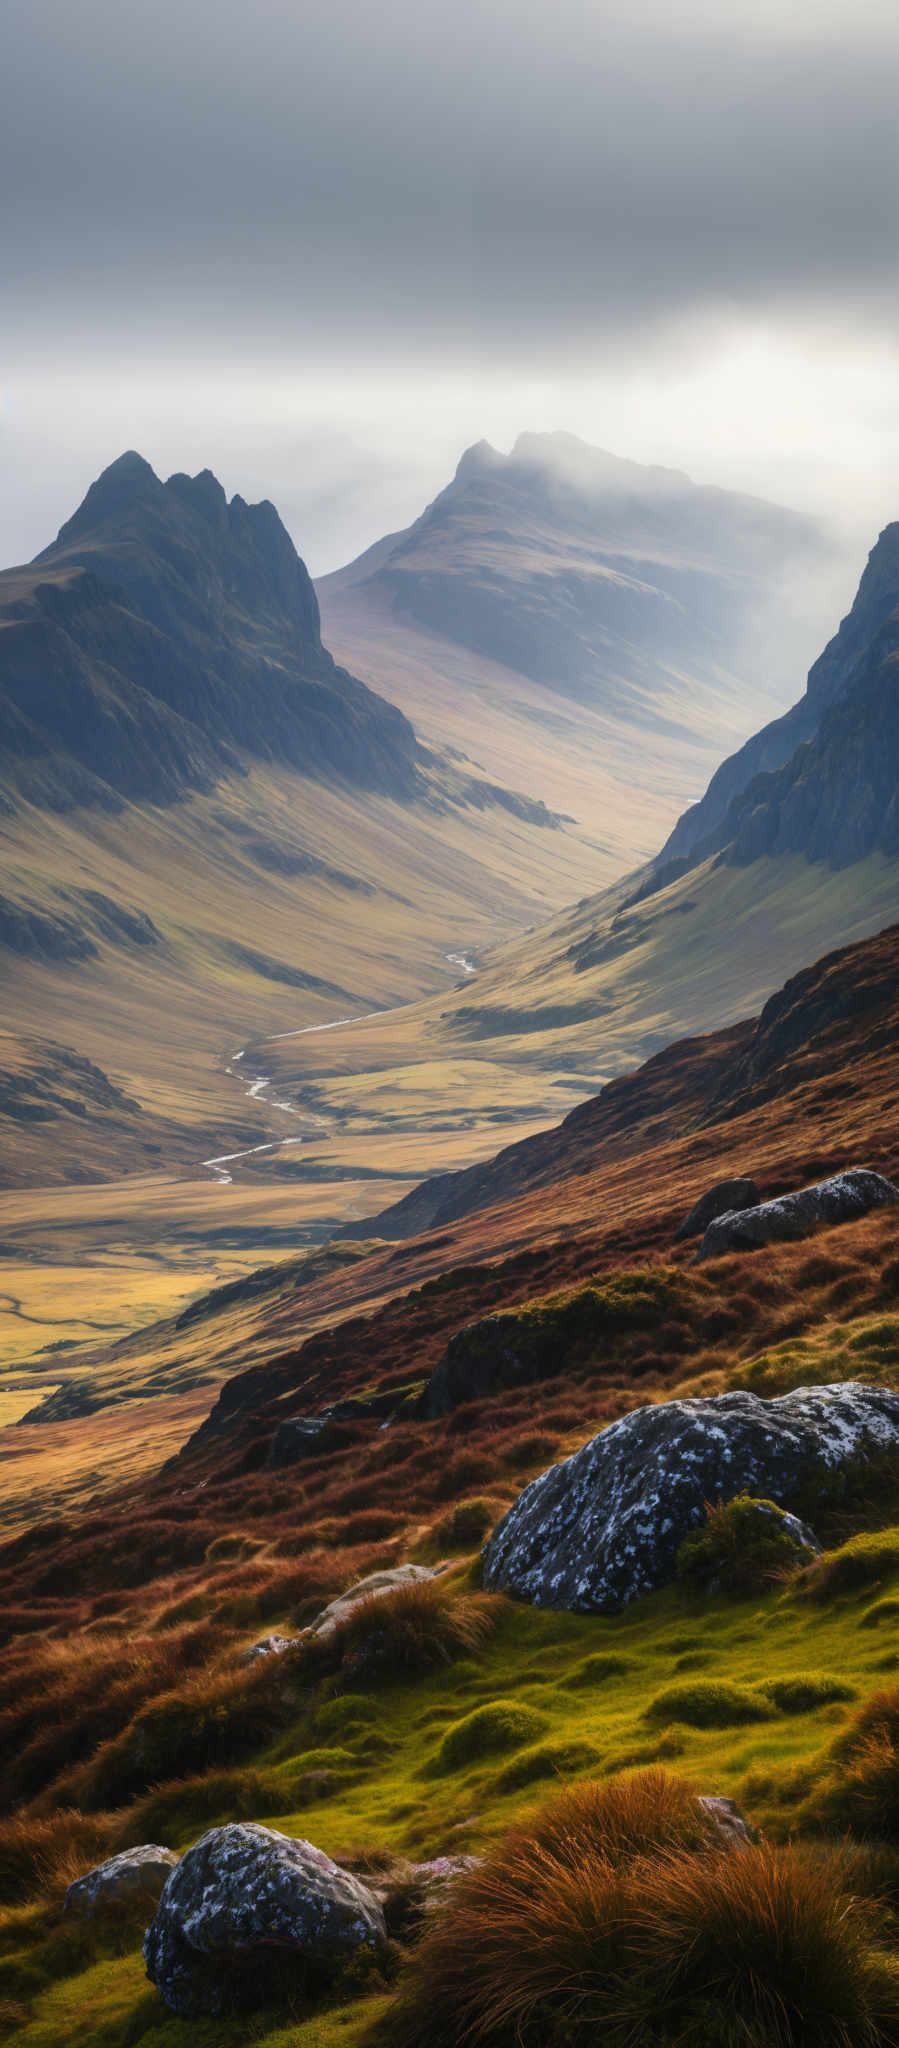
(842, 1199)
(135, 1874)
(607, 1523)
(243, 1900)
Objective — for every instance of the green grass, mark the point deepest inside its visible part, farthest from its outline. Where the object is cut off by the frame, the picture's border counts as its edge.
(547, 1698)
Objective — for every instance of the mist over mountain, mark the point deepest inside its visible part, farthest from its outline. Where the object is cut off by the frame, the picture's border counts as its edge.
(620, 585)
(165, 633)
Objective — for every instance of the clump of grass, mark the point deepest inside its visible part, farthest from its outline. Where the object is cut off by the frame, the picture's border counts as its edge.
(866, 1560)
(861, 1789)
(40, 1851)
(546, 1760)
(416, 1628)
(805, 1690)
(466, 1525)
(598, 1669)
(707, 1703)
(623, 1817)
(571, 1933)
(743, 1547)
(488, 1730)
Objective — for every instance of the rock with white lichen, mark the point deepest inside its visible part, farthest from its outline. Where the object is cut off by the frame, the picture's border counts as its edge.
(134, 1874)
(606, 1524)
(245, 1900)
(842, 1199)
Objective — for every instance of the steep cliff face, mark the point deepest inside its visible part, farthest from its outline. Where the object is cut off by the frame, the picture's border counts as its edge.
(165, 631)
(830, 677)
(837, 798)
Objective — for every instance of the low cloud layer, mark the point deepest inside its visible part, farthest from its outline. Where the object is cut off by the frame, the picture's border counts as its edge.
(396, 226)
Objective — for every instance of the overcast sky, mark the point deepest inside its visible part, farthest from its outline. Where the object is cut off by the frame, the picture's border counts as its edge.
(321, 245)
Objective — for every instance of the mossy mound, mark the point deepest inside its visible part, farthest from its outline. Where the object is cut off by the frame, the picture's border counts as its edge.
(707, 1703)
(497, 1726)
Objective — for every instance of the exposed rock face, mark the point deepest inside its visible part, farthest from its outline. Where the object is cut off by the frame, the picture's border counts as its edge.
(165, 628)
(831, 676)
(268, 1646)
(733, 1831)
(242, 1890)
(606, 1524)
(839, 1200)
(300, 1437)
(134, 1874)
(496, 1351)
(374, 1587)
(726, 1195)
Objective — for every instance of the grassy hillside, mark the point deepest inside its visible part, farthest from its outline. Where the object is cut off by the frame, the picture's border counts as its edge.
(429, 1727)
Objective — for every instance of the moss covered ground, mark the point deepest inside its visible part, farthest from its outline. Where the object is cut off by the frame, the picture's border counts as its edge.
(751, 1698)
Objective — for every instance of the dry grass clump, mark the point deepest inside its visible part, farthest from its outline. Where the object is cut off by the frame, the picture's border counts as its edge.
(42, 1852)
(861, 1789)
(416, 1628)
(605, 1925)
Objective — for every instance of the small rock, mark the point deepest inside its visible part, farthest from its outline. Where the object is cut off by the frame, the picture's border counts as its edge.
(374, 1587)
(134, 1873)
(606, 1524)
(732, 1828)
(841, 1199)
(269, 1646)
(245, 1893)
(718, 1201)
(298, 1438)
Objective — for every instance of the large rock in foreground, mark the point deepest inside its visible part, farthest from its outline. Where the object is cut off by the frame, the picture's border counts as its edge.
(842, 1199)
(240, 1899)
(606, 1524)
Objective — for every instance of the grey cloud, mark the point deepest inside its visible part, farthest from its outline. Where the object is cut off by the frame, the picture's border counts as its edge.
(492, 177)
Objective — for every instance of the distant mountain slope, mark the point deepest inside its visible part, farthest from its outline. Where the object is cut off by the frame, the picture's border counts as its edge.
(592, 630)
(828, 680)
(804, 859)
(595, 576)
(164, 633)
(806, 1031)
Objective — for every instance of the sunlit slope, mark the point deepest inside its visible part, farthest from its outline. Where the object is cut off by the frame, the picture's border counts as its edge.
(558, 610)
(269, 904)
(554, 1014)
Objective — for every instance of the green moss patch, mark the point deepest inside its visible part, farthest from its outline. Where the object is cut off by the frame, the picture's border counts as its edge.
(707, 1703)
(498, 1725)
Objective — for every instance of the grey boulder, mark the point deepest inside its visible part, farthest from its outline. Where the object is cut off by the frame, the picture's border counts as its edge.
(134, 1874)
(718, 1201)
(606, 1524)
(240, 1899)
(841, 1199)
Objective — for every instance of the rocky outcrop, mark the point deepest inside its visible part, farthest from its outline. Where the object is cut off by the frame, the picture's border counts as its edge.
(269, 1646)
(244, 1895)
(741, 1193)
(134, 1875)
(831, 676)
(842, 1199)
(593, 1532)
